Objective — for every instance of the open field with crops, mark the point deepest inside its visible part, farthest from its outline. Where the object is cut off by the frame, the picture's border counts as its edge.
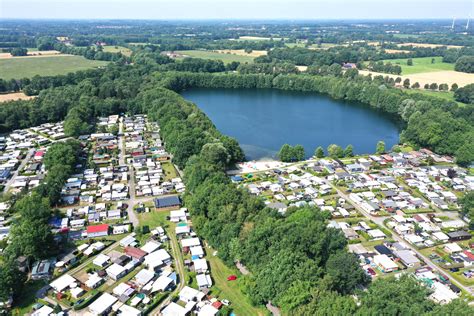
(226, 58)
(421, 65)
(27, 67)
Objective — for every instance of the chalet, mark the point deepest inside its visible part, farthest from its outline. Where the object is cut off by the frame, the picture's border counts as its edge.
(97, 230)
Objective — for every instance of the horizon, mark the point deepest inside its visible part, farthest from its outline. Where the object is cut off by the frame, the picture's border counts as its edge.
(235, 10)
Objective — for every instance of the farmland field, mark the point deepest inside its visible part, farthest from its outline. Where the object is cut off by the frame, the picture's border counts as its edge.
(118, 49)
(421, 65)
(27, 67)
(14, 96)
(241, 52)
(226, 58)
(449, 77)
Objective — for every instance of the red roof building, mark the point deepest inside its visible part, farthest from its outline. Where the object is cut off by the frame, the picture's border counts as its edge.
(469, 254)
(135, 252)
(97, 230)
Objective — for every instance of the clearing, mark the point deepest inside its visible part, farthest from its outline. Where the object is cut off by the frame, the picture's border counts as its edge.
(397, 51)
(206, 54)
(118, 49)
(230, 290)
(423, 45)
(34, 53)
(27, 67)
(241, 52)
(14, 96)
(421, 65)
(439, 77)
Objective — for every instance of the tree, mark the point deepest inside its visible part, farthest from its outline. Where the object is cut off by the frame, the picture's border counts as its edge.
(465, 64)
(465, 94)
(465, 154)
(11, 280)
(63, 153)
(349, 151)
(288, 153)
(406, 83)
(388, 296)
(410, 62)
(416, 85)
(335, 151)
(319, 152)
(216, 154)
(443, 87)
(454, 87)
(380, 148)
(434, 86)
(18, 51)
(467, 206)
(345, 273)
(31, 235)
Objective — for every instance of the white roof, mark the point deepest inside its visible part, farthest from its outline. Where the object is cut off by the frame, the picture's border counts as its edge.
(43, 311)
(144, 276)
(208, 310)
(190, 242)
(115, 269)
(150, 246)
(453, 247)
(62, 282)
(174, 309)
(129, 311)
(200, 265)
(385, 262)
(442, 293)
(104, 302)
(440, 236)
(204, 280)
(197, 251)
(157, 258)
(188, 293)
(376, 233)
(161, 283)
(101, 259)
(121, 288)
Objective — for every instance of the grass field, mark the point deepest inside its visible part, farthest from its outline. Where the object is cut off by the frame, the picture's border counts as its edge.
(118, 49)
(448, 95)
(230, 289)
(421, 65)
(27, 67)
(226, 58)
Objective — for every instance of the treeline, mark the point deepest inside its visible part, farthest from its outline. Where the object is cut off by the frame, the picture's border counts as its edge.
(385, 67)
(465, 64)
(430, 122)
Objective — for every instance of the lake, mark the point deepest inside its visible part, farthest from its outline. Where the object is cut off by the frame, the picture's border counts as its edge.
(262, 120)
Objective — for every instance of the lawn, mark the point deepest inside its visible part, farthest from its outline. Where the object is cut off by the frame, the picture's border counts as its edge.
(226, 58)
(169, 171)
(118, 49)
(153, 219)
(421, 65)
(27, 67)
(230, 290)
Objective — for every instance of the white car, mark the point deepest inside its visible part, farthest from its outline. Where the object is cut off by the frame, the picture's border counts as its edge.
(225, 302)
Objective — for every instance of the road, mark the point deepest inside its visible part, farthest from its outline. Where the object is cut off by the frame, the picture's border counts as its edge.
(179, 269)
(380, 221)
(17, 171)
(132, 216)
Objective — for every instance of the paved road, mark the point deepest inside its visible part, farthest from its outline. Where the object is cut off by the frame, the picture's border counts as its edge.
(179, 269)
(379, 221)
(17, 171)
(132, 216)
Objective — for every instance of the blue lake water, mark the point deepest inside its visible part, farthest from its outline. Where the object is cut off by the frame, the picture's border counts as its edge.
(262, 120)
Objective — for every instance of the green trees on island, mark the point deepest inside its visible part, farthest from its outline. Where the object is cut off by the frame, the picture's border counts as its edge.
(289, 153)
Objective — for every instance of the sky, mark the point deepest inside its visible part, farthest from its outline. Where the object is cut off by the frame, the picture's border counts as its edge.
(235, 9)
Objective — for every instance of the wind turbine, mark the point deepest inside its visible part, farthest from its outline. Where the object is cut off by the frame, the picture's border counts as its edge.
(452, 26)
(467, 24)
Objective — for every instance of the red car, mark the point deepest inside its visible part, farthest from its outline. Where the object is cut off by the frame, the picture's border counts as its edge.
(371, 271)
(231, 278)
